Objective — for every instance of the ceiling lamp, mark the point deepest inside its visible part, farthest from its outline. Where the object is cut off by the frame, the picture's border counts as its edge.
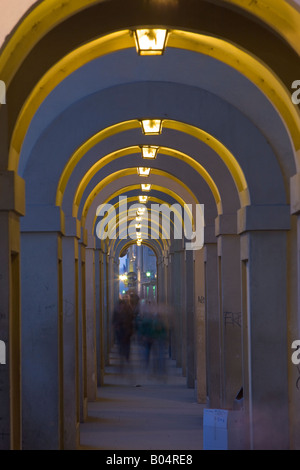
(149, 151)
(138, 236)
(146, 187)
(139, 242)
(138, 219)
(150, 41)
(138, 226)
(141, 211)
(143, 199)
(151, 126)
(143, 171)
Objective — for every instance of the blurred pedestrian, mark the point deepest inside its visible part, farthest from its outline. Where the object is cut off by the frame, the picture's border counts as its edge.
(123, 329)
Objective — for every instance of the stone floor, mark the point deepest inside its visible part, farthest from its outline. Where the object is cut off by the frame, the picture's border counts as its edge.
(138, 410)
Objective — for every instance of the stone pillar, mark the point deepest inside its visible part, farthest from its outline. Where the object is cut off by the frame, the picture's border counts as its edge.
(12, 205)
(264, 317)
(82, 332)
(161, 280)
(110, 297)
(170, 310)
(70, 249)
(100, 318)
(212, 324)
(200, 329)
(190, 320)
(179, 317)
(230, 308)
(42, 329)
(105, 308)
(293, 279)
(97, 312)
(91, 322)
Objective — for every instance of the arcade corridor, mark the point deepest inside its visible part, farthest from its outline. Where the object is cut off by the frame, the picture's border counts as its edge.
(172, 125)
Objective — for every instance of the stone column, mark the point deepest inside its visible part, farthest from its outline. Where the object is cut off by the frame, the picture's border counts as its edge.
(82, 331)
(190, 321)
(91, 321)
(293, 279)
(212, 322)
(170, 309)
(161, 280)
(179, 317)
(230, 308)
(264, 317)
(42, 329)
(110, 297)
(11, 207)
(70, 249)
(105, 308)
(200, 329)
(100, 320)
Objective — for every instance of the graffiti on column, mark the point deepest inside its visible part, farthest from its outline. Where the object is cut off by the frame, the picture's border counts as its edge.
(234, 319)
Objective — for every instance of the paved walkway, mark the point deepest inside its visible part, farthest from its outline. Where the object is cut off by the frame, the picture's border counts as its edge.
(141, 411)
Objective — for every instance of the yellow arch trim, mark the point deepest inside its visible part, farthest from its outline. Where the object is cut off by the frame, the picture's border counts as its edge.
(162, 240)
(133, 243)
(227, 157)
(121, 174)
(129, 200)
(136, 149)
(119, 222)
(162, 189)
(257, 72)
(278, 14)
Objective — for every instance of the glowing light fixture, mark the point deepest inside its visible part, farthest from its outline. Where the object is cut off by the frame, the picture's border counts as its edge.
(150, 41)
(138, 225)
(143, 199)
(146, 187)
(141, 210)
(138, 219)
(148, 274)
(123, 277)
(138, 236)
(139, 242)
(149, 151)
(143, 171)
(151, 126)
